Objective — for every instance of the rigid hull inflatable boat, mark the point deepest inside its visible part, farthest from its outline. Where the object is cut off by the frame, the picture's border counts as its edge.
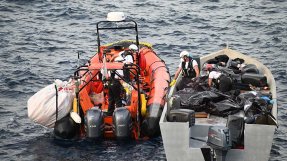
(144, 90)
(142, 87)
(204, 129)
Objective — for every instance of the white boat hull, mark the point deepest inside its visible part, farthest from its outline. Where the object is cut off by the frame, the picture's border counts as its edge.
(182, 142)
(176, 140)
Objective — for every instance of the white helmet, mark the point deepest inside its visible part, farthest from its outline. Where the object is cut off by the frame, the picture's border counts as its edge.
(133, 47)
(184, 53)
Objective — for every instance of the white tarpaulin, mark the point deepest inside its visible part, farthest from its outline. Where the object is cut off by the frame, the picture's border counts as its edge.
(42, 105)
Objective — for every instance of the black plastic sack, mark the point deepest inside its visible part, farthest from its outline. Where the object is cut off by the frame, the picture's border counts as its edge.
(257, 110)
(218, 59)
(198, 100)
(222, 58)
(224, 108)
(258, 80)
(236, 126)
(250, 68)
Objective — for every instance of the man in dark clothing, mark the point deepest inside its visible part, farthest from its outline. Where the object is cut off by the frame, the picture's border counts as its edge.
(115, 89)
(222, 82)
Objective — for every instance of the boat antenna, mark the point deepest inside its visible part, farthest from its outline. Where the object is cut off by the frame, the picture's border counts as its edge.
(79, 52)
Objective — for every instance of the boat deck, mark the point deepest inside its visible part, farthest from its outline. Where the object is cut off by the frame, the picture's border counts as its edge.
(212, 119)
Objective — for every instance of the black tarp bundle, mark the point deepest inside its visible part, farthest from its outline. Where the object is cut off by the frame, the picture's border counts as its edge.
(198, 97)
(257, 107)
(208, 100)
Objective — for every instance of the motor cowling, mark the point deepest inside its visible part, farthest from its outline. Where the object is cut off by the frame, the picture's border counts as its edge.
(94, 123)
(122, 123)
(182, 115)
(219, 140)
(173, 103)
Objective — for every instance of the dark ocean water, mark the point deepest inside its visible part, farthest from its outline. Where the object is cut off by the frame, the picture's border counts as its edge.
(40, 39)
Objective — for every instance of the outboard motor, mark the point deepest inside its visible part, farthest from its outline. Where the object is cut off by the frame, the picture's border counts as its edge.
(122, 123)
(94, 123)
(219, 140)
(173, 103)
(182, 115)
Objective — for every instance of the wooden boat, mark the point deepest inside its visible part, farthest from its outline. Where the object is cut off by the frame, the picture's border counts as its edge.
(145, 83)
(202, 136)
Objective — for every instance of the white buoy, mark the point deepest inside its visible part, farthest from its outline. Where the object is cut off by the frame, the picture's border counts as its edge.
(116, 16)
(75, 117)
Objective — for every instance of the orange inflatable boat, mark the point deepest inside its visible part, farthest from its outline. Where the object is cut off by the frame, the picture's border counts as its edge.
(142, 87)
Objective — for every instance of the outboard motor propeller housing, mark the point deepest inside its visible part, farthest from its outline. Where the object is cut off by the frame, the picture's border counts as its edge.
(219, 140)
(94, 123)
(122, 123)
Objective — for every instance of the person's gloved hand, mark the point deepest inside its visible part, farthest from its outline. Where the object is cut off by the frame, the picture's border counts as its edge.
(194, 79)
(172, 83)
